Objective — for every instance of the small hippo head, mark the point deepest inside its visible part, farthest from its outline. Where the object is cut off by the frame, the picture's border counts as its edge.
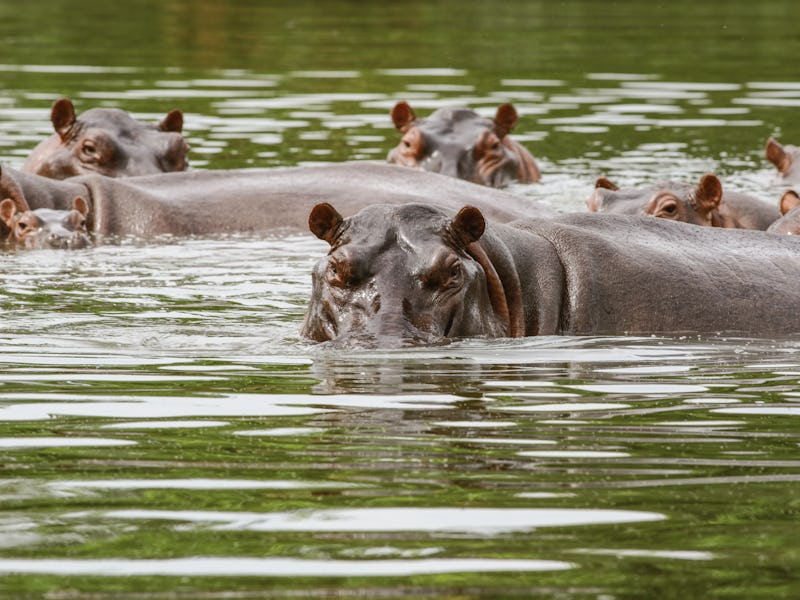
(46, 228)
(789, 223)
(405, 274)
(110, 142)
(786, 159)
(676, 201)
(460, 143)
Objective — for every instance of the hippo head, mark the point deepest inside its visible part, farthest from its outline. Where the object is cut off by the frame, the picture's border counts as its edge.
(404, 274)
(676, 201)
(46, 228)
(789, 223)
(786, 159)
(460, 143)
(110, 142)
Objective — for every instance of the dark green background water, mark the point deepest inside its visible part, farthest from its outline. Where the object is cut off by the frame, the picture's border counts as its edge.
(164, 432)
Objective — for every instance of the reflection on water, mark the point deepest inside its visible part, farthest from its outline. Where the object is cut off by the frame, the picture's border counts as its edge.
(165, 431)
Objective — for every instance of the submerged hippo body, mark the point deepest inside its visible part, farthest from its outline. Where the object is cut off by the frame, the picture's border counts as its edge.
(460, 143)
(703, 204)
(108, 141)
(252, 200)
(45, 227)
(419, 273)
(786, 159)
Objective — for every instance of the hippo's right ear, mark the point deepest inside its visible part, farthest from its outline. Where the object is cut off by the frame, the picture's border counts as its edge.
(402, 116)
(468, 226)
(324, 221)
(789, 200)
(505, 119)
(7, 211)
(172, 122)
(776, 154)
(605, 184)
(62, 115)
(708, 193)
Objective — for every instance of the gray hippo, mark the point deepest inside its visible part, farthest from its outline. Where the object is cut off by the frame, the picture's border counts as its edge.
(419, 273)
(45, 227)
(789, 223)
(786, 159)
(703, 204)
(251, 200)
(110, 142)
(460, 143)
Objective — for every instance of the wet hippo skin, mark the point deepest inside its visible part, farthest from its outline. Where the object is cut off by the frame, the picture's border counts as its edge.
(702, 204)
(218, 202)
(421, 274)
(459, 142)
(110, 142)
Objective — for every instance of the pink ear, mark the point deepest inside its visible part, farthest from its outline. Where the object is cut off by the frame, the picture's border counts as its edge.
(62, 115)
(708, 194)
(505, 120)
(606, 184)
(402, 116)
(789, 200)
(172, 122)
(80, 204)
(777, 155)
(7, 211)
(468, 225)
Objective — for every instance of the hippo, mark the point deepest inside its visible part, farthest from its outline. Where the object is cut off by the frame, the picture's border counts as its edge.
(110, 142)
(460, 143)
(786, 159)
(704, 204)
(423, 274)
(250, 200)
(789, 223)
(46, 227)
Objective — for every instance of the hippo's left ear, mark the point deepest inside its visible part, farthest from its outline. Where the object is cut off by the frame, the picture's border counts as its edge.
(606, 184)
(7, 211)
(324, 221)
(708, 193)
(62, 115)
(172, 122)
(777, 155)
(468, 225)
(79, 203)
(505, 120)
(789, 200)
(403, 116)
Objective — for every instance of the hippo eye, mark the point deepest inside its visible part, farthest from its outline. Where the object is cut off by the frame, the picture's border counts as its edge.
(669, 209)
(22, 226)
(89, 148)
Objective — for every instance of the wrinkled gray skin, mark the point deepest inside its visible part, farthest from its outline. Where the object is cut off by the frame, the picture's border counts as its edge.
(45, 227)
(251, 200)
(789, 223)
(458, 142)
(110, 142)
(415, 273)
(786, 159)
(701, 204)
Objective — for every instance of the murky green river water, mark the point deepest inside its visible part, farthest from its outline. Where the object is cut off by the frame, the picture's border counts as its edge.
(165, 432)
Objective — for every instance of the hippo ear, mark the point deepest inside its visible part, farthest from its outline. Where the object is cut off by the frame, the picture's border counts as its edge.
(605, 184)
(789, 200)
(468, 225)
(62, 115)
(402, 116)
(776, 154)
(172, 122)
(708, 194)
(324, 221)
(505, 120)
(79, 203)
(7, 211)
(10, 189)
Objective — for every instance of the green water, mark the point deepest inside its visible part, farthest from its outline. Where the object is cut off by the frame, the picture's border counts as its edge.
(165, 432)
